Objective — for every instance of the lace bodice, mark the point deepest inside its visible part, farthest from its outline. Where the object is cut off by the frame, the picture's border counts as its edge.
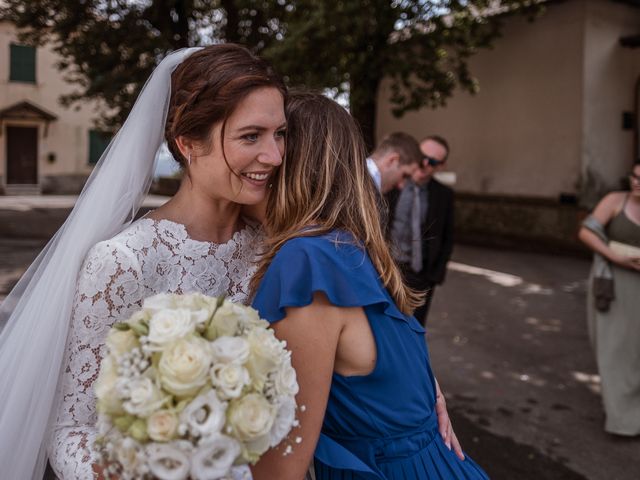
(147, 258)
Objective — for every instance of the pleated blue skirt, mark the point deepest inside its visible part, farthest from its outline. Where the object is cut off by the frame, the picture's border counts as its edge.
(420, 456)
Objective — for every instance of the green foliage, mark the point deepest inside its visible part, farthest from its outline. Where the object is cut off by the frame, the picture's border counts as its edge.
(421, 46)
(109, 47)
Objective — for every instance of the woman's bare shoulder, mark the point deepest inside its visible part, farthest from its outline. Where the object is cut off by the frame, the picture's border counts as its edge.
(610, 205)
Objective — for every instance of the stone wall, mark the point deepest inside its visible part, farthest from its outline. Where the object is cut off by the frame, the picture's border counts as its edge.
(37, 223)
(63, 184)
(521, 134)
(518, 222)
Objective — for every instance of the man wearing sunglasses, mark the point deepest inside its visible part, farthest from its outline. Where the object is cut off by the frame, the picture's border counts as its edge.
(422, 223)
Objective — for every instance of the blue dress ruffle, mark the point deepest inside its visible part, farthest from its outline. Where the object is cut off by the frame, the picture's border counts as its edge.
(380, 426)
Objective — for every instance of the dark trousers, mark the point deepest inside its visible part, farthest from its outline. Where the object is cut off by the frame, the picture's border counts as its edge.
(418, 282)
(422, 312)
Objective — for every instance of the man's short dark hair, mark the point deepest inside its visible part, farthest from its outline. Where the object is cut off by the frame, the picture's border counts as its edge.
(440, 140)
(404, 145)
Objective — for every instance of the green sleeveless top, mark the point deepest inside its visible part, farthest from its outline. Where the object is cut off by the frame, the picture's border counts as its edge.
(622, 229)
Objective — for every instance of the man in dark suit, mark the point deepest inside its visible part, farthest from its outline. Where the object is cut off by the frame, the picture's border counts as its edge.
(395, 159)
(421, 225)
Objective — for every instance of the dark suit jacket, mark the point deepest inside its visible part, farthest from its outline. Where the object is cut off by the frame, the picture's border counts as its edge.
(437, 232)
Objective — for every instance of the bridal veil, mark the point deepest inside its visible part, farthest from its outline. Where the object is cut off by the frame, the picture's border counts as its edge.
(35, 316)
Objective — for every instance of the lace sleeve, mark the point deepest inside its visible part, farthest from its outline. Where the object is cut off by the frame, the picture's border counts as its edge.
(109, 289)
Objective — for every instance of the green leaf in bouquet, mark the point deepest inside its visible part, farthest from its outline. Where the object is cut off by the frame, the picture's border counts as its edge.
(124, 423)
(138, 430)
(155, 360)
(182, 404)
(210, 332)
(140, 328)
(122, 326)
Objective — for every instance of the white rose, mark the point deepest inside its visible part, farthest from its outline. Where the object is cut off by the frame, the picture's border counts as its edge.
(119, 342)
(230, 350)
(251, 417)
(253, 450)
(226, 321)
(106, 393)
(285, 381)
(229, 379)
(267, 353)
(163, 301)
(249, 318)
(205, 415)
(143, 397)
(162, 425)
(283, 422)
(184, 366)
(240, 472)
(214, 457)
(167, 326)
(130, 455)
(168, 461)
(200, 306)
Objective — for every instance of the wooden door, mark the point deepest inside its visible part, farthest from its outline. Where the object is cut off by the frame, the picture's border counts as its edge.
(22, 155)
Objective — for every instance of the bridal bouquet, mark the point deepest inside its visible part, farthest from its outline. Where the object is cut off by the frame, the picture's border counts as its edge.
(191, 386)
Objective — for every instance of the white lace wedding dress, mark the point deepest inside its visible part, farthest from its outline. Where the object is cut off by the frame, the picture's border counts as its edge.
(147, 258)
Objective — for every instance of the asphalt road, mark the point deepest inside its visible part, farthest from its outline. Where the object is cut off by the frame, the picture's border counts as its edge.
(509, 346)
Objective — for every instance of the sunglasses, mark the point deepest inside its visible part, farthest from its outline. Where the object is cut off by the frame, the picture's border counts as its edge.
(433, 162)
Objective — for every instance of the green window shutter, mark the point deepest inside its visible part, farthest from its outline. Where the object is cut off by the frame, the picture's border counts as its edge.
(23, 63)
(98, 142)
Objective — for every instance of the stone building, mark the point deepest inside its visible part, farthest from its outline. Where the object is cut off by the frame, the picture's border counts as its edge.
(44, 147)
(554, 126)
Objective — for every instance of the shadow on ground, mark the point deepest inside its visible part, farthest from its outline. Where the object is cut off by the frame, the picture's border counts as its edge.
(504, 459)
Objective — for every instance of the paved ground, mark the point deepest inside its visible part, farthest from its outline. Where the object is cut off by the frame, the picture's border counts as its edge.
(24, 203)
(40, 216)
(509, 347)
(15, 257)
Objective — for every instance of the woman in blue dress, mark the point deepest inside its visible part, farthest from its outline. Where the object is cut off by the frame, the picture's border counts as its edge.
(331, 290)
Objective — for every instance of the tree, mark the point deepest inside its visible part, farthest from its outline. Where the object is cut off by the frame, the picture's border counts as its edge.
(109, 47)
(422, 46)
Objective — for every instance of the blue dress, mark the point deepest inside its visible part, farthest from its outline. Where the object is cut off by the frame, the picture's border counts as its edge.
(380, 426)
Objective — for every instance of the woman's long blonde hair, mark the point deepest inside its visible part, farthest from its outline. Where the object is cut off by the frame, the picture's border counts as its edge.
(323, 184)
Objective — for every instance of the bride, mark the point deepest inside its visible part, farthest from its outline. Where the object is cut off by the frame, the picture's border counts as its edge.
(221, 111)
(224, 121)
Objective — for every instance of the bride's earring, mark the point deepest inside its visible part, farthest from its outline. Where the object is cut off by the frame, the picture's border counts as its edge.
(189, 159)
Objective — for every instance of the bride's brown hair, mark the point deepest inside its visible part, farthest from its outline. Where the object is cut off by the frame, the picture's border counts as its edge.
(323, 184)
(208, 86)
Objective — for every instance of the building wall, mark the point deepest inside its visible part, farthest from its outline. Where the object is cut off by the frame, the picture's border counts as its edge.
(610, 77)
(67, 137)
(521, 134)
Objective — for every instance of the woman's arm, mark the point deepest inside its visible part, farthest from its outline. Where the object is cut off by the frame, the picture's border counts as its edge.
(312, 335)
(608, 207)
